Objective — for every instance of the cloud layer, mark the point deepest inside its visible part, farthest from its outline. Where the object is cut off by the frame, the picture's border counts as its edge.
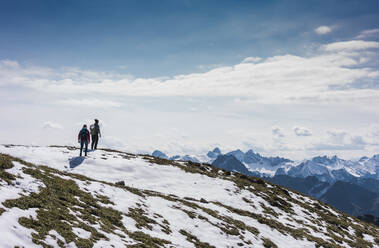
(327, 76)
(302, 131)
(51, 125)
(314, 102)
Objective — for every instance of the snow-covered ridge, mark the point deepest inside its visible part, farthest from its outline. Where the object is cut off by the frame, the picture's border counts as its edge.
(120, 199)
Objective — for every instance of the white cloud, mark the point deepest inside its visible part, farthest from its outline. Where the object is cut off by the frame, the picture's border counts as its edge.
(51, 125)
(340, 140)
(209, 67)
(368, 33)
(335, 147)
(352, 45)
(277, 132)
(95, 103)
(323, 30)
(302, 131)
(371, 135)
(276, 80)
(251, 60)
(337, 136)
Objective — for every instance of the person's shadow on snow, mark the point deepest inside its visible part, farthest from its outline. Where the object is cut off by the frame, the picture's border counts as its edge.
(76, 161)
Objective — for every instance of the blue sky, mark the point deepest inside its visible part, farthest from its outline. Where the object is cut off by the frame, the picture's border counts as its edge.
(289, 78)
(165, 38)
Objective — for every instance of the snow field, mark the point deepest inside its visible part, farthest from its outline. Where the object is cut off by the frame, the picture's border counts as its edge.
(176, 215)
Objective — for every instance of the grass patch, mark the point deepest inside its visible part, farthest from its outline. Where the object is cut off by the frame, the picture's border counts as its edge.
(269, 211)
(230, 225)
(165, 227)
(147, 240)
(54, 203)
(6, 163)
(268, 243)
(297, 233)
(2, 210)
(280, 203)
(193, 239)
(140, 216)
(190, 214)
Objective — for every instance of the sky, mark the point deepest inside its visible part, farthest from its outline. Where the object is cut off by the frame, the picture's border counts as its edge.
(288, 78)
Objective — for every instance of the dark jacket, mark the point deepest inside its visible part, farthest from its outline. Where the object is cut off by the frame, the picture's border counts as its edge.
(84, 134)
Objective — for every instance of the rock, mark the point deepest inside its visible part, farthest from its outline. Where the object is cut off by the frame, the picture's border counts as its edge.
(120, 183)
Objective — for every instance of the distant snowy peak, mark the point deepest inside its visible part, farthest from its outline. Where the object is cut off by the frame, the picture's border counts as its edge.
(230, 163)
(322, 172)
(335, 169)
(308, 168)
(363, 159)
(160, 154)
(372, 165)
(251, 158)
(375, 158)
(255, 163)
(238, 154)
(326, 160)
(214, 154)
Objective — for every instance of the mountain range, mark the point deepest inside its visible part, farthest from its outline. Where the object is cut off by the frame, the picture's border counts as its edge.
(321, 177)
(254, 162)
(326, 169)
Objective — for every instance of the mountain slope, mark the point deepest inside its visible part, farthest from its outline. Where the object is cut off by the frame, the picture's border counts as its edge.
(118, 199)
(355, 198)
(357, 201)
(309, 185)
(230, 163)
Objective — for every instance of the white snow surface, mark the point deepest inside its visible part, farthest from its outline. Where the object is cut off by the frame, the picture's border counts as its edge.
(137, 172)
(12, 233)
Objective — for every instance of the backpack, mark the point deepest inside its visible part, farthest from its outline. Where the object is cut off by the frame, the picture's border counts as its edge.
(83, 134)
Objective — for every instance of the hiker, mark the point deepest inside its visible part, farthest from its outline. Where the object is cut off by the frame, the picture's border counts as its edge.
(84, 139)
(95, 133)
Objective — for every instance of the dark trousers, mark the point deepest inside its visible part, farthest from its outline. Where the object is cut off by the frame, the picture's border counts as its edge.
(95, 139)
(83, 143)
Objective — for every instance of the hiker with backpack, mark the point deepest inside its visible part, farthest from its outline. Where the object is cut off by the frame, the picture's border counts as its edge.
(95, 133)
(84, 139)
